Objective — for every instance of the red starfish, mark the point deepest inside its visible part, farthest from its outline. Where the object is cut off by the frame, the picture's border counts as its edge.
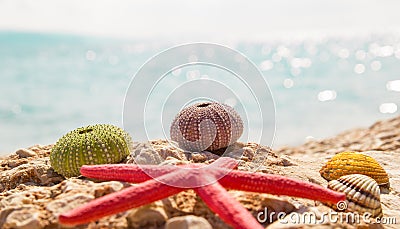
(170, 180)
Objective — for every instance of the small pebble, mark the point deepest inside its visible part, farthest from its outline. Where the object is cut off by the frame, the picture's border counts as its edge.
(286, 161)
(148, 216)
(188, 222)
(23, 153)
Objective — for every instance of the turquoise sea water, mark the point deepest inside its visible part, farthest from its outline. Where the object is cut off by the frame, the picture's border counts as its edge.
(51, 84)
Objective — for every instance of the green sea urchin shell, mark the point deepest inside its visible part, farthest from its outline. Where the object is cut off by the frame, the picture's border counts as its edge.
(94, 144)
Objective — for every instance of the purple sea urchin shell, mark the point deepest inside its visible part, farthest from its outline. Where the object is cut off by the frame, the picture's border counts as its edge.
(206, 126)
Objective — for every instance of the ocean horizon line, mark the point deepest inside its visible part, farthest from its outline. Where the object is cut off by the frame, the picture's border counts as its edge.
(276, 37)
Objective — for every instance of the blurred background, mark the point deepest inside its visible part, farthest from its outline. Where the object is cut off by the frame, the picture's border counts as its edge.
(330, 65)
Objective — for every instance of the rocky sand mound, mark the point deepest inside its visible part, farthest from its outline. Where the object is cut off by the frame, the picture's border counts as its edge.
(32, 194)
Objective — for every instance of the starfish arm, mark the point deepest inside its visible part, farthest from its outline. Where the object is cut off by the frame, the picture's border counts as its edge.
(128, 198)
(139, 173)
(279, 185)
(228, 209)
(125, 172)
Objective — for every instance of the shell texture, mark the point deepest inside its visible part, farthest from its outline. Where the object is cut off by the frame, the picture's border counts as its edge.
(94, 144)
(346, 163)
(206, 126)
(362, 194)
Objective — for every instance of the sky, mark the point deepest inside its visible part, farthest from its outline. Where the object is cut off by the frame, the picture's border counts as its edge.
(210, 20)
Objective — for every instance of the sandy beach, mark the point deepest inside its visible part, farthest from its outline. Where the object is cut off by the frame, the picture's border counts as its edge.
(32, 194)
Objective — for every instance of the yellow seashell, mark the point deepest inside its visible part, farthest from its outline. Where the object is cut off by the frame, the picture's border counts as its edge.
(346, 163)
(362, 194)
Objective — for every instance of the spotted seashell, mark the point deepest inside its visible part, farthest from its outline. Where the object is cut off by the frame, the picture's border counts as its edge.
(206, 126)
(95, 144)
(362, 194)
(346, 163)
